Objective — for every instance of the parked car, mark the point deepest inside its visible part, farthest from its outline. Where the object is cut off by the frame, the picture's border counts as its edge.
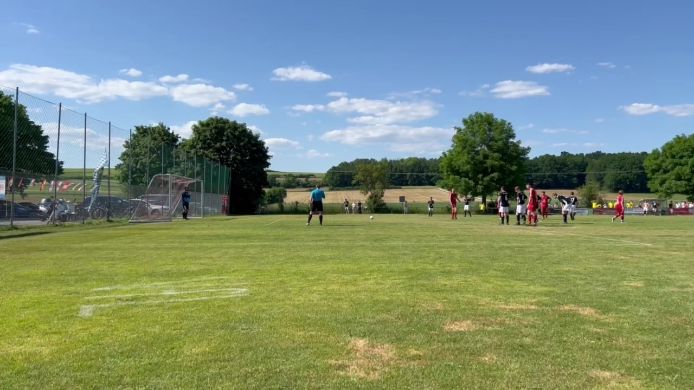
(20, 211)
(141, 208)
(119, 207)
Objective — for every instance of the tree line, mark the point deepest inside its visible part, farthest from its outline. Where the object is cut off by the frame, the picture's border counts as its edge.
(411, 171)
(609, 171)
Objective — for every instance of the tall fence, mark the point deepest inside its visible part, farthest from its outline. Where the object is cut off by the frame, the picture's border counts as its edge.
(54, 161)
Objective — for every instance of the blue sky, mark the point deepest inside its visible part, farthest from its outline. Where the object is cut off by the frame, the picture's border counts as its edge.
(329, 81)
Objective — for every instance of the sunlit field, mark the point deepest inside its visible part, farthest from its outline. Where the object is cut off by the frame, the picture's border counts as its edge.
(399, 301)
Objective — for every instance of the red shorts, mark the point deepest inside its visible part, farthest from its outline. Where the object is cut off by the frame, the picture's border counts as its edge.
(619, 210)
(544, 207)
(532, 207)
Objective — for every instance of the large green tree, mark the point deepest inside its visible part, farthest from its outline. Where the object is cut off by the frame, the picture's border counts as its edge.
(33, 156)
(670, 169)
(485, 155)
(372, 179)
(234, 145)
(148, 152)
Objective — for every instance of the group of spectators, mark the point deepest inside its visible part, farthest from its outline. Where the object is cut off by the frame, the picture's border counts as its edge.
(354, 208)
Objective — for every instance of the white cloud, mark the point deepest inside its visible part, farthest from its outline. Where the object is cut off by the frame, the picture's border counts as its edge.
(201, 95)
(313, 154)
(565, 131)
(527, 127)
(374, 111)
(243, 87)
(83, 88)
(246, 109)
(180, 78)
(255, 129)
(71, 85)
(185, 130)
(678, 110)
(606, 65)
(337, 94)
(550, 68)
(510, 89)
(599, 120)
(299, 73)
(217, 109)
(30, 28)
(132, 72)
(282, 143)
(393, 134)
(382, 112)
(481, 91)
(308, 107)
(416, 93)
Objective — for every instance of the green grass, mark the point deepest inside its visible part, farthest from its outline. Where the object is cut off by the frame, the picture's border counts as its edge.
(397, 302)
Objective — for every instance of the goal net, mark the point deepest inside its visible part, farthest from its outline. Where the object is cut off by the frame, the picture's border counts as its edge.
(161, 201)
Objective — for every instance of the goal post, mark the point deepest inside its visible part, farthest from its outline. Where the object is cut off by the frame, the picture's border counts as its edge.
(161, 201)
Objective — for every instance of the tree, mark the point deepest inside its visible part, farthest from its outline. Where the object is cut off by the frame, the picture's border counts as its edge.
(485, 155)
(32, 144)
(142, 154)
(372, 178)
(234, 145)
(670, 169)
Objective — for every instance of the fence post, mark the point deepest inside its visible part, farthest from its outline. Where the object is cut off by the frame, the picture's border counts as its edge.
(130, 162)
(57, 161)
(84, 168)
(162, 157)
(108, 213)
(14, 153)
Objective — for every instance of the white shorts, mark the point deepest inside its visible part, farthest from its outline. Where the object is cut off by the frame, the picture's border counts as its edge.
(566, 208)
(466, 207)
(520, 209)
(503, 210)
(572, 208)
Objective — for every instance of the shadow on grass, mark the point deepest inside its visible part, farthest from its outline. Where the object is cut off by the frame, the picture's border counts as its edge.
(24, 234)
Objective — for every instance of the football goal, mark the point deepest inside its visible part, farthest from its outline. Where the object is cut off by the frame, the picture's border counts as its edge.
(161, 201)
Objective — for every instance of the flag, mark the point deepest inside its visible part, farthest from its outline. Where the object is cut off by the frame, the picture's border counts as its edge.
(98, 170)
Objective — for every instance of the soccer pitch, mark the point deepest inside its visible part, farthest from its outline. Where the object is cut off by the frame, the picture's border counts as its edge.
(400, 301)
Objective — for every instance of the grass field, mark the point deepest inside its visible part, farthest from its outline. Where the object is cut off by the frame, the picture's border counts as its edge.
(395, 302)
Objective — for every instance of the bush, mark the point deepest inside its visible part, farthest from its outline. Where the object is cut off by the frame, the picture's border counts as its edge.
(589, 193)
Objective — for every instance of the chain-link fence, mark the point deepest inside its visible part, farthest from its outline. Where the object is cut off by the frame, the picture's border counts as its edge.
(58, 165)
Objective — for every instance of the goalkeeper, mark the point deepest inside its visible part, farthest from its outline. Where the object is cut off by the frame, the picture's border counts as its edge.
(185, 202)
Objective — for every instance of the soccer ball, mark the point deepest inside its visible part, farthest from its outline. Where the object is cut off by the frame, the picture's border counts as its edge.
(371, 217)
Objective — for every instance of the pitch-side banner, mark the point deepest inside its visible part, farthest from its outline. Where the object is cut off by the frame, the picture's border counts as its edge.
(2, 187)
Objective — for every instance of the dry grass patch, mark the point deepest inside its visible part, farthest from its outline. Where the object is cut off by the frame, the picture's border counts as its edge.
(485, 324)
(634, 284)
(488, 358)
(583, 310)
(517, 306)
(615, 380)
(461, 326)
(369, 361)
(436, 306)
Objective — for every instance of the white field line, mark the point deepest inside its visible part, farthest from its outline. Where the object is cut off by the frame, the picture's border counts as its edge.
(157, 284)
(275, 221)
(88, 310)
(165, 293)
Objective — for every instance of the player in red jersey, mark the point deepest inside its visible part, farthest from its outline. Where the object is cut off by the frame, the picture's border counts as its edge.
(619, 207)
(544, 205)
(532, 204)
(454, 204)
